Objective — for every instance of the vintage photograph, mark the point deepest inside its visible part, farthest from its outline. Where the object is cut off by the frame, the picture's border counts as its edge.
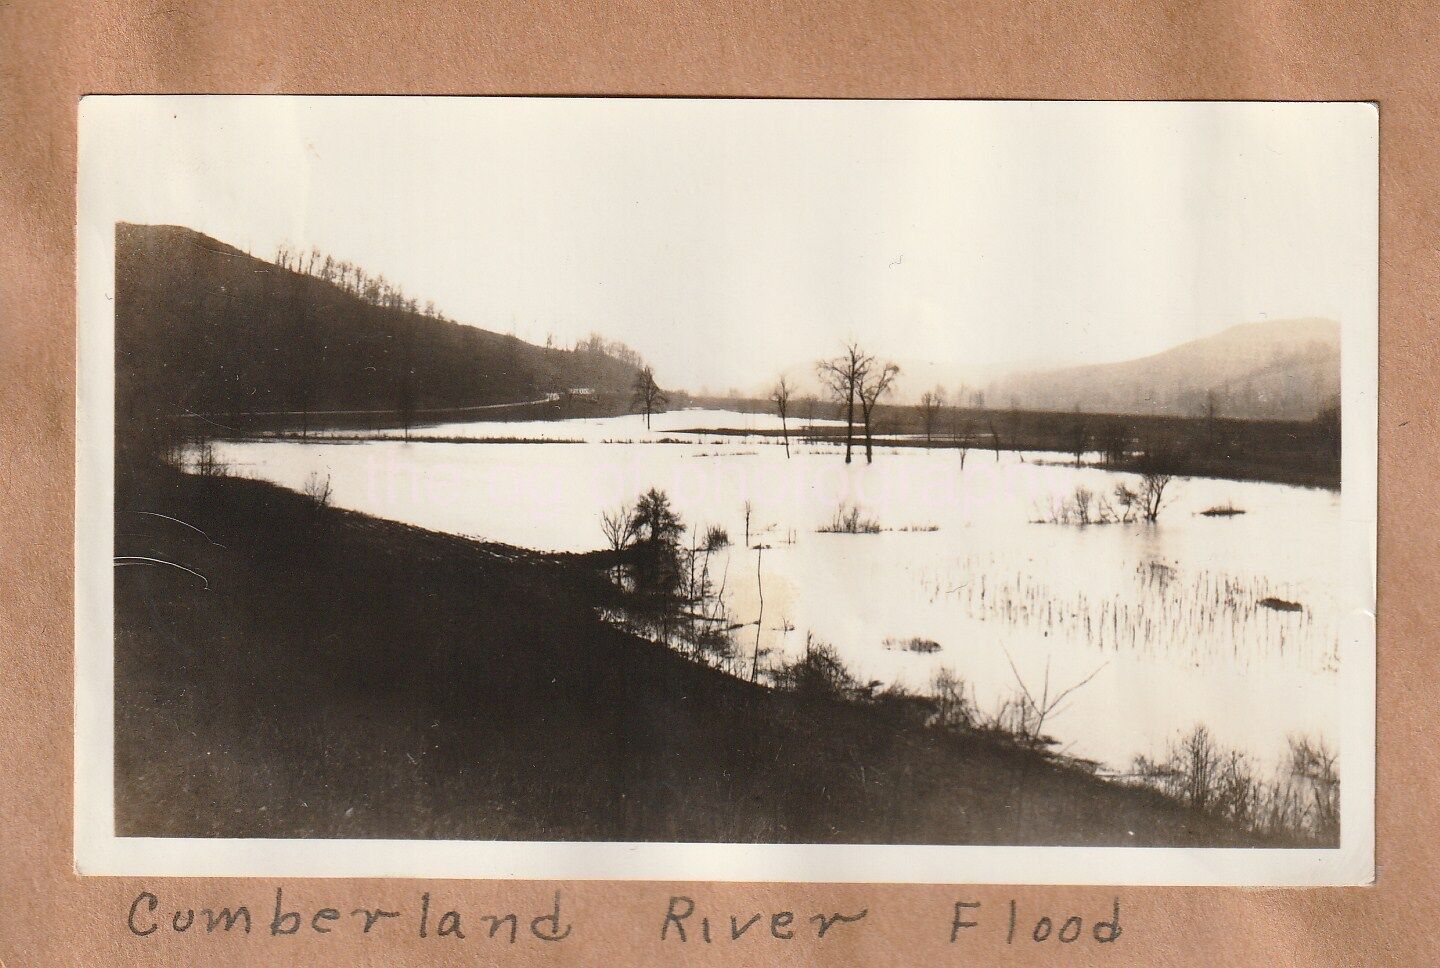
(473, 474)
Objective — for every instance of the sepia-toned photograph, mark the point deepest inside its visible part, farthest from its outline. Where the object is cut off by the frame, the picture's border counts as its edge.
(727, 489)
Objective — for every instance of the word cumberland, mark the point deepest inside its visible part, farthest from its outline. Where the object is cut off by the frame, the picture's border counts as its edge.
(145, 920)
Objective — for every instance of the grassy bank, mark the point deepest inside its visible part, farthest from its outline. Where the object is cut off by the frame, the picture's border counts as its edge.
(320, 673)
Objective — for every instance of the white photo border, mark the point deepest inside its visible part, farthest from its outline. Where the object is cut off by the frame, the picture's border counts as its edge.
(98, 851)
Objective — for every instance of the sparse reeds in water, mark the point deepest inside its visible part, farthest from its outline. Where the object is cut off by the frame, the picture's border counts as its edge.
(1204, 613)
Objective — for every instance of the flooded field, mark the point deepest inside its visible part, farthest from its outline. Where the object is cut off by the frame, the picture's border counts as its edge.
(1228, 619)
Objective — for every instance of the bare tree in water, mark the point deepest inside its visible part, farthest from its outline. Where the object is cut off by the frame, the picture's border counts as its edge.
(874, 384)
(960, 434)
(780, 396)
(1156, 466)
(842, 377)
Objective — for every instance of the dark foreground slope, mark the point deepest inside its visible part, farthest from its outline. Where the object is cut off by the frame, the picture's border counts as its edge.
(334, 675)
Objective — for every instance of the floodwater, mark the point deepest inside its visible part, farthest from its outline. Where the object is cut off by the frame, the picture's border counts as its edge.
(1168, 613)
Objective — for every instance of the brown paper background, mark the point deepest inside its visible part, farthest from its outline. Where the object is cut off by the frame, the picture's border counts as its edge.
(54, 52)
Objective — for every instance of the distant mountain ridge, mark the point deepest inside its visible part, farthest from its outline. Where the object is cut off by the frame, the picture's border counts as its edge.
(1282, 370)
(203, 328)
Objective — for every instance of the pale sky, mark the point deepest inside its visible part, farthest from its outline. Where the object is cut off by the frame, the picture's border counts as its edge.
(728, 240)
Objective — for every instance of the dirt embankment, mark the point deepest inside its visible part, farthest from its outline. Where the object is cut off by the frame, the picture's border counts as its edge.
(325, 674)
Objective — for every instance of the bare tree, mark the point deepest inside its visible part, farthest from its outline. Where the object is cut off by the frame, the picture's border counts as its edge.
(620, 528)
(1128, 500)
(842, 377)
(960, 433)
(1156, 472)
(1033, 711)
(647, 397)
(994, 438)
(931, 403)
(1212, 413)
(780, 396)
(874, 384)
(1079, 437)
(1152, 493)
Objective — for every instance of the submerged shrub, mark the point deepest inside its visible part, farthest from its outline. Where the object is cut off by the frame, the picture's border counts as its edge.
(1280, 604)
(913, 644)
(1084, 506)
(849, 519)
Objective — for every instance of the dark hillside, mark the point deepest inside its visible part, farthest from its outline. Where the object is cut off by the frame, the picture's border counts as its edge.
(1286, 369)
(203, 328)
